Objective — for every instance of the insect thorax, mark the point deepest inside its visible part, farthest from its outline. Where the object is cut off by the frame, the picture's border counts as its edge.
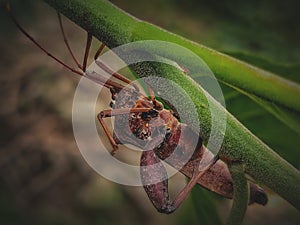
(132, 127)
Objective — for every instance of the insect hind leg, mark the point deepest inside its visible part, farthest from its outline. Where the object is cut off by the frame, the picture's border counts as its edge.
(155, 182)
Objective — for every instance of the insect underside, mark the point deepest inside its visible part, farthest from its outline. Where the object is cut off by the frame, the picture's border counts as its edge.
(144, 122)
(166, 136)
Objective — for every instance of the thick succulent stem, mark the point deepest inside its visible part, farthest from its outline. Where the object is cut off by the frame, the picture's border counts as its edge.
(115, 27)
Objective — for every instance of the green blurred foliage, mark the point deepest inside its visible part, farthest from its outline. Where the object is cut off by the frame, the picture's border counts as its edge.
(268, 28)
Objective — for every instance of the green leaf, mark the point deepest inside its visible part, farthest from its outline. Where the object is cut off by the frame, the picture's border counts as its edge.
(290, 117)
(288, 71)
(274, 124)
(241, 194)
(204, 203)
(263, 124)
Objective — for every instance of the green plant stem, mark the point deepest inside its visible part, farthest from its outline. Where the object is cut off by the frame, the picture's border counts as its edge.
(241, 194)
(114, 27)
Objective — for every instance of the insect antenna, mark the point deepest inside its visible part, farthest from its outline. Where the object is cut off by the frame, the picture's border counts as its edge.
(40, 46)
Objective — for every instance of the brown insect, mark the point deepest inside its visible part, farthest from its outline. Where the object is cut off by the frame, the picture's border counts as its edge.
(159, 132)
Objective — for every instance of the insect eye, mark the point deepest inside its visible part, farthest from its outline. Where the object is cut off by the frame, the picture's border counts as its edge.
(112, 104)
(168, 132)
(145, 115)
(153, 112)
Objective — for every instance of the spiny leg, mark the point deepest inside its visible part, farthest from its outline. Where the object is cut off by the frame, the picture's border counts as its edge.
(115, 112)
(154, 179)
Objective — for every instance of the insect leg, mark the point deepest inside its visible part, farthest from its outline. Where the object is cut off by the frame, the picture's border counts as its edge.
(86, 54)
(87, 50)
(99, 51)
(115, 74)
(87, 47)
(155, 182)
(66, 41)
(198, 173)
(115, 112)
(100, 117)
(39, 45)
(99, 79)
(151, 93)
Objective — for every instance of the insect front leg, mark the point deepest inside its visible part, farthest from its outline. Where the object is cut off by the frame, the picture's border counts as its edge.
(155, 181)
(112, 141)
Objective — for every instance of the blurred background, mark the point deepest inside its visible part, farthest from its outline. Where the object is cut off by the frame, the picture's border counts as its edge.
(43, 177)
